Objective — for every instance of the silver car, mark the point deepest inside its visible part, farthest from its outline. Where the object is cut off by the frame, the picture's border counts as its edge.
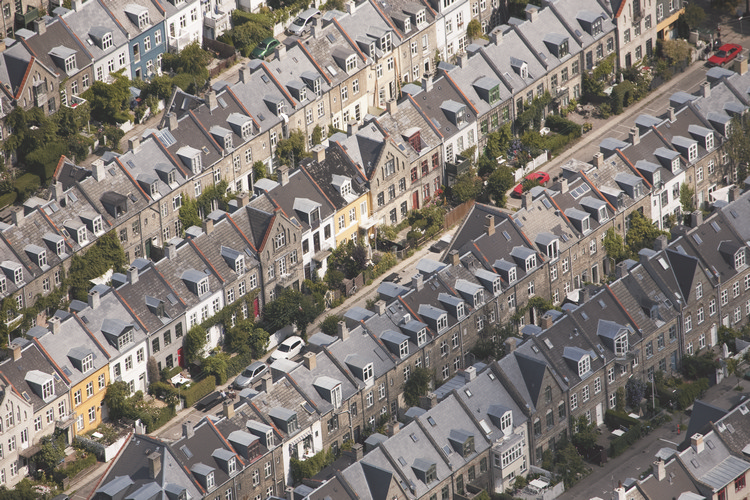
(250, 375)
(302, 23)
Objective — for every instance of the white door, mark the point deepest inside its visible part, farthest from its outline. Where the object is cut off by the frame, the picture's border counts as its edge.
(599, 415)
(714, 335)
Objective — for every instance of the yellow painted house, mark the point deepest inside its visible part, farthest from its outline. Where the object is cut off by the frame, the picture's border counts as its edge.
(342, 183)
(84, 364)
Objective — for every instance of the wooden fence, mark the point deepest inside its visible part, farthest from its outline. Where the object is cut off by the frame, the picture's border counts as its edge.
(457, 214)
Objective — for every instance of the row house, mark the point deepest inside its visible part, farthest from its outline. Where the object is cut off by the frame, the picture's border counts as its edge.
(82, 362)
(342, 184)
(20, 14)
(183, 24)
(63, 54)
(143, 23)
(636, 22)
(35, 399)
(667, 14)
(111, 323)
(217, 17)
(452, 21)
(299, 195)
(104, 38)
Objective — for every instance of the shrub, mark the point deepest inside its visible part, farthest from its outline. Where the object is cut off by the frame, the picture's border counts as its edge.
(620, 444)
(615, 420)
(164, 391)
(199, 390)
(8, 199)
(27, 184)
(238, 363)
(302, 469)
(330, 324)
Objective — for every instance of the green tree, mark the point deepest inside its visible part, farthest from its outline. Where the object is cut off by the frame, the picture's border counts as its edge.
(216, 365)
(159, 87)
(330, 325)
(259, 170)
(474, 29)
(51, 453)
(417, 385)
(317, 135)
(467, 187)
(191, 63)
(291, 150)
(737, 147)
(733, 366)
(116, 399)
(676, 51)
(694, 15)
(189, 213)
(499, 183)
(614, 246)
(642, 234)
(687, 197)
(585, 436)
(195, 341)
(498, 142)
(491, 343)
(620, 404)
(110, 102)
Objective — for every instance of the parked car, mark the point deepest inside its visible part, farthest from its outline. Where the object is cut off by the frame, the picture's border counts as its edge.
(302, 23)
(288, 349)
(265, 48)
(726, 53)
(250, 375)
(542, 177)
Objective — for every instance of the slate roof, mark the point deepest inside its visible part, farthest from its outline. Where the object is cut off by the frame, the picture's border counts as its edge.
(58, 37)
(361, 344)
(32, 359)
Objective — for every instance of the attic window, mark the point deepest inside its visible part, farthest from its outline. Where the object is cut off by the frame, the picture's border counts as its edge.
(87, 363)
(506, 421)
(585, 225)
(346, 189)
(367, 372)
(239, 265)
(48, 389)
(316, 87)
(18, 275)
(70, 64)
(739, 259)
(403, 349)
(530, 263)
(42, 258)
(497, 286)
(197, 164)
(468, 446)
(421, 17)
(228, 137)
(82, 235)
(621, 345)
(232, 465)
(153, 189)
(60, 247)
(247, 128)
(385, 42)
(171, 177)
(210, 482)
(584, 365)
(693, 152)
(280, 107)
(603, 214)
(351, 63)
(142, 20)
(596, 27)
(416, 141)
(563, 49)
(442, 322)
(125, 339)
(106, 41)
(203, 286)
(494, 94)
(478, 298)
(710, 141)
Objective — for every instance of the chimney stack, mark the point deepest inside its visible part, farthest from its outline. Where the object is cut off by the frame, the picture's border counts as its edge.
(527, 200)
(598, 160)
(635, 136)
(212, 101)
(228, 408)
(661, 242)
(244, 74)
(310, 360)
(208, 226)
(417, 281)
(734, 193)
(94, 299)
(40, 27)
(671, 113)
(132, 275)
(621, 269)
(696, 441)
(17, 217)
(343, 330)
(427, 83)
(620, 491)
(563, 185)
(283, 175)
(280, 52)
(696, 218)
(187, 430)
(170, 252)
(428, 401)
(266, 382)
(510, 344)
(706, 89)
(380, 307)
(242, 199)
(547, 321)
(53, 324)
(351, 128)
(740, 65)
(97, 170)
(455, 258)
(154, 464)
(531, 13)
(392, 107)
(134, 142)
(659, 470)
(16, 351)
(172, 121)
(58, 190)
(319, 153)
(489, 224)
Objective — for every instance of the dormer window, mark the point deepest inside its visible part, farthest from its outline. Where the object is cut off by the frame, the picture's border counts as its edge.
(692, 153)
(247, 128)
(70, 64)
(585, 224)
(203, 286)
(239, 265)
(460, 310)
(60, 247)
(596, 28)
(478, 298)
(196, 164)
(710, 141)
(232, 466)
(385, 42)
(563, 49)
(422, 336)
(497, 286)
(739, 259)
(512, 275)
(153, 189)
(407, 25)
(603, 215)
(530, 263)
(657, 178)
(584, 365)
(124, 339)
(88, 363)
(442, 322)
(210, 481)
(171, 177)
(228, 141)
(351, 63)
(280, 107)
(3, 284)
(421, 17)
(336, 396)
(494, 94)
(48, 389)
(106, 41)
(316, 87)
(506, 421)
(82, 235)
(621, 345)
(403, 349)
(42, 258)
(142, 20)
(346, 189)
(367, 372)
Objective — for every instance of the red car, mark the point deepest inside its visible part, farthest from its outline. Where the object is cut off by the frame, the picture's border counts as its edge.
(542, 177)
(726, 53)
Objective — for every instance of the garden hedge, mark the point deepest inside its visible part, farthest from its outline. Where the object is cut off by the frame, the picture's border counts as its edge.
(198, 390)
